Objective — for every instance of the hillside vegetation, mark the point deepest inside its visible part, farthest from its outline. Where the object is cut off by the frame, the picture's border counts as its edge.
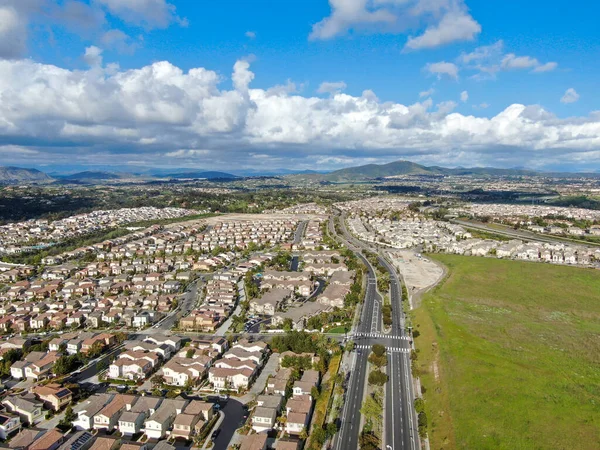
(509, 355)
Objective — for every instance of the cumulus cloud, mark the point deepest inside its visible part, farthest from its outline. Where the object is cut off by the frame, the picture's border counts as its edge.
(454, 26)
(160, 114)
(443, 68)
(119, 40)
(348, 14)
(150, 13)
(511, 61)
(547, 67)
(250, 34)
(488, 60)
(483, 53)
(331, 87)
(571, 96)
(442, 21)
(93, 56)
(464, 96)
(428, 93)
(13, 33)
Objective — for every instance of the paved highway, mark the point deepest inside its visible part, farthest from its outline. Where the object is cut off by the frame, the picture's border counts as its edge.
(400, 419)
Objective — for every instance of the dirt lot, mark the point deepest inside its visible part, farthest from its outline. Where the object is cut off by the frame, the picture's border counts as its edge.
(419, 273)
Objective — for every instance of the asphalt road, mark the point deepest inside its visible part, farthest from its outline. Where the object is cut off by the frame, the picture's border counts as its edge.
(294, 263)
(400, 419)
(234, 418)
(524, 235)
(300, 232)
(369, 323)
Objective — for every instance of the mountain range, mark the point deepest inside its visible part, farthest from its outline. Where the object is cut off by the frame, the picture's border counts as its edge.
(374, 171)
(17, 175)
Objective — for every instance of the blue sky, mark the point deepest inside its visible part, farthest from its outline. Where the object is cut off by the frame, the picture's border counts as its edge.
(321, 84)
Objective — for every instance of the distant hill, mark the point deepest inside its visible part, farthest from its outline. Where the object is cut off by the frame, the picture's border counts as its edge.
(17, 175)
(92, 175)
(371, 171)
(396, 168)
(209, 175)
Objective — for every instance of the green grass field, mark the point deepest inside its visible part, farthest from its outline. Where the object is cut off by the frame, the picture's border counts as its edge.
(509, 354)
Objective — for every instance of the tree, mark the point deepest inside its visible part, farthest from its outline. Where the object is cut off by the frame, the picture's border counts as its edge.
(304, 434)
(378, 361)
(157, 380)
(372, 410)
(422, 421)
(378, 378)
(378, 349)
(120, 337)
(314, 392)
(419, 405)
(288, 324)
(190, 353)
(66, 364)
(331, 429)
(318, 437)
(368, 441)
(66, 423)
(96, 349)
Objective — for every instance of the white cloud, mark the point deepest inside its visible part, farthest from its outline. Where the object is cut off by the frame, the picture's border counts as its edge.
(160, 112)
(442, 21)
(331, 87)
(183, 153)
(464, 96)
(250, 34)
(482, 53)
(13, 33)
(548, 67)
(428, 93)
(511, 61)
(150, 13)
(93, 56)
(454, 26)
(571, 96)
(347, 14)
(488, 60)
(443, 68)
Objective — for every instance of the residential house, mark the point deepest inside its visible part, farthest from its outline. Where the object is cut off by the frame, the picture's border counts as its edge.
(108, 417)
(9, 424)
(48, 441)
(29, 409)
(85, 416)
(53, 396)
(254, 442)
(132, 422)
(193, 418)
(264, 419)
(159, 423)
